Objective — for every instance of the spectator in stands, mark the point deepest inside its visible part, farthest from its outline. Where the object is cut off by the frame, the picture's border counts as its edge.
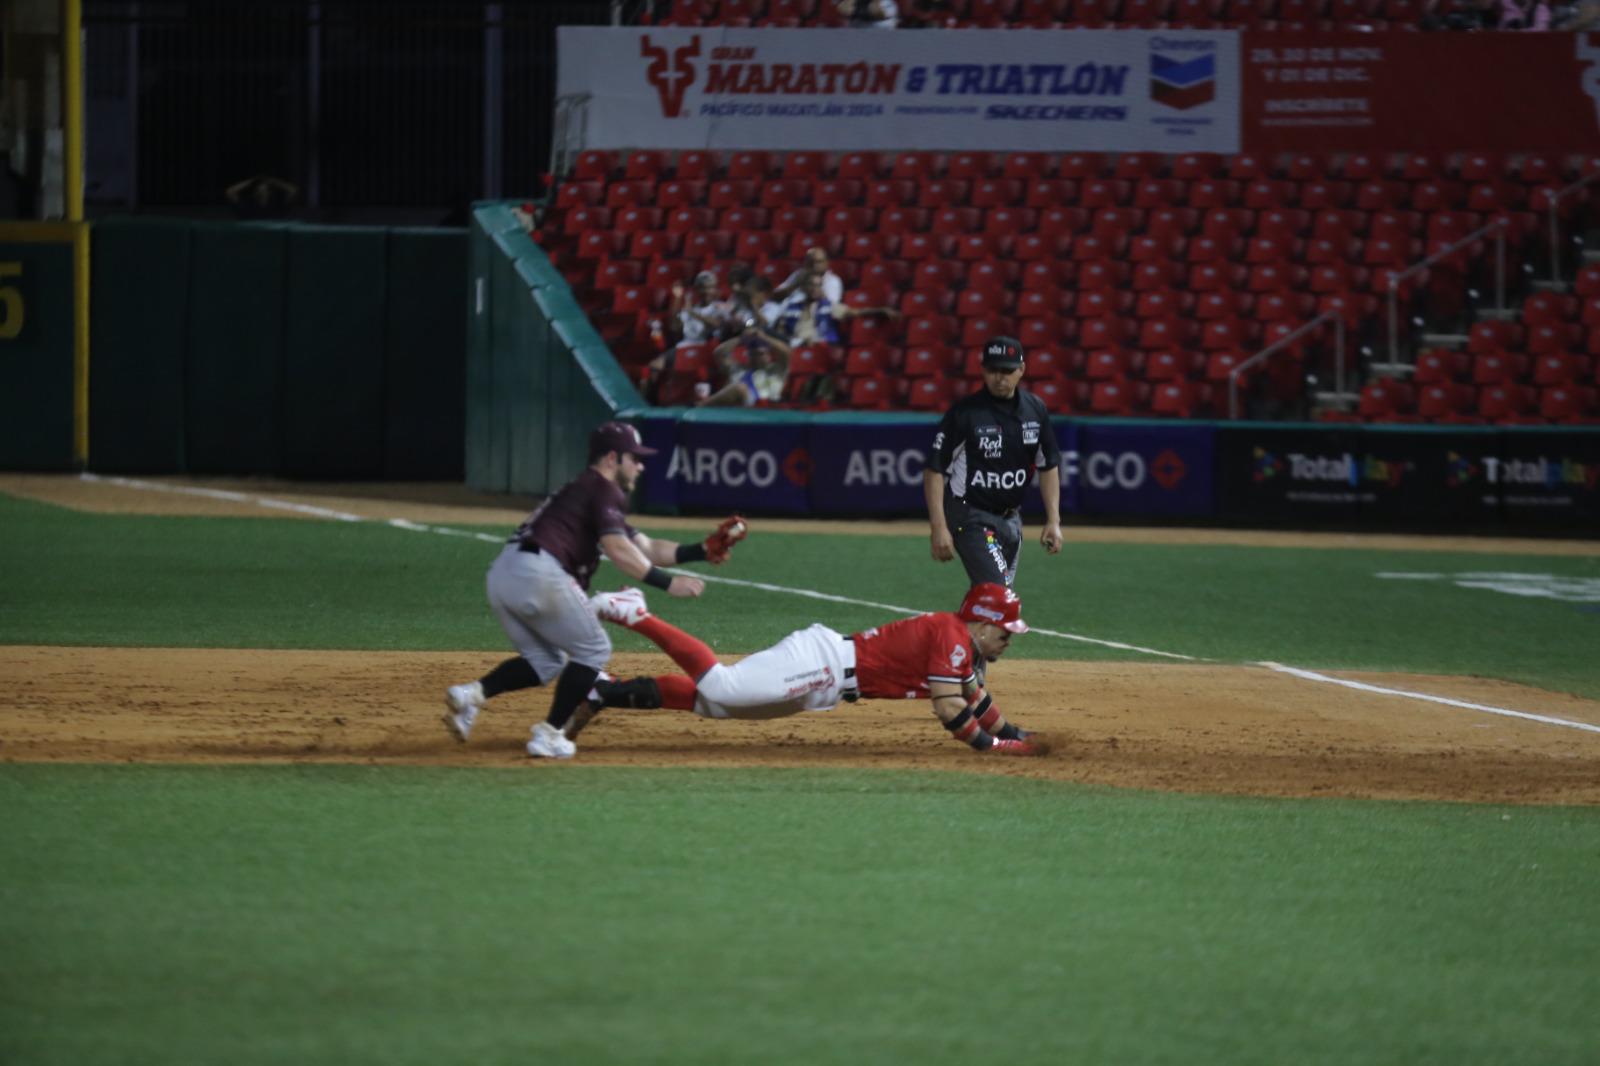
(878, 14)
(696, 315)
(1526, 15)
(1584, 15)
(751, 297)
(262, 196)
(809, 317)
(756, 363)
(816, 262)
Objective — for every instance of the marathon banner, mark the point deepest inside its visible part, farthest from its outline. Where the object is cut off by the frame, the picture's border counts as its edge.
(854, 466)
(838, 90)
(1081, 90)
(1421, 92)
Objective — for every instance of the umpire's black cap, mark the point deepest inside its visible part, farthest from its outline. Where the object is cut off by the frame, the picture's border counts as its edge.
(1002, 353)
(616, 437)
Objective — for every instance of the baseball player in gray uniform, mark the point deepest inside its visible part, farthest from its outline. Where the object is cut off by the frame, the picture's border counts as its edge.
(538, 587)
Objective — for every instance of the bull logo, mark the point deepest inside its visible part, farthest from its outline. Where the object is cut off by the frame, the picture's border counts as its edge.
(671, 84)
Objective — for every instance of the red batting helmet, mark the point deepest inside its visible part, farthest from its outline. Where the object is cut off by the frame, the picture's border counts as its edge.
(994, 604)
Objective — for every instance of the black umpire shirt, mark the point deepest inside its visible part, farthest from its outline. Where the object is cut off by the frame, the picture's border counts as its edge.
(988, 448)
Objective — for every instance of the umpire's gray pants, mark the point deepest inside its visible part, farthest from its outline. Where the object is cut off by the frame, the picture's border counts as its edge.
(545, 613)
(988, 543)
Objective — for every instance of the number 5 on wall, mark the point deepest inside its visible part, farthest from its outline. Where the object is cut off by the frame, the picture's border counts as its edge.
(11, 311)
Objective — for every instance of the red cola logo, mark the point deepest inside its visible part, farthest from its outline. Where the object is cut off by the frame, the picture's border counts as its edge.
(671, 84)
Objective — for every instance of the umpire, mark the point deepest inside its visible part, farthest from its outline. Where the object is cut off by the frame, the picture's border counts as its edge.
(983, 456)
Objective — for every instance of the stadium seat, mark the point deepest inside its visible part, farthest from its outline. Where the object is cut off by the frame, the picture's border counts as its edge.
(930, 361)
(1494, 336)
(1383, 399)
(1170, 365)
(1114, 398)
(1505, 401)
(1547, 337)
(834, 192)
(1175, 398)
(1568, 403)
(931, 393)
(1445, 401)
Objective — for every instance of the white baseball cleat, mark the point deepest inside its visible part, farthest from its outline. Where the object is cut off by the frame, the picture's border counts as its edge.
(462, 704)
(626, 607)
(550, 743)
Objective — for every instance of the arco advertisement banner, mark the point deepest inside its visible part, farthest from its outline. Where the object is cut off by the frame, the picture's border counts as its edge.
(1167, 91)
(845, 466)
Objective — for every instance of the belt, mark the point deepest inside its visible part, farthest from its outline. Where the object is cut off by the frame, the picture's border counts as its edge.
(531, 549)
(852, 691)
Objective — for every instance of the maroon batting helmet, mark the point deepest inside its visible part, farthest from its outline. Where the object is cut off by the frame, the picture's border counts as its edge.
(994, 604)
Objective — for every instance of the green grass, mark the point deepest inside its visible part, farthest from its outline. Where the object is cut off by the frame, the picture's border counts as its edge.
(578, 914)
(562, 914)
(245, 582)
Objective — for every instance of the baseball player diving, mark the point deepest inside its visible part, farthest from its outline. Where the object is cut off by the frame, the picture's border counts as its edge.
(939, 656)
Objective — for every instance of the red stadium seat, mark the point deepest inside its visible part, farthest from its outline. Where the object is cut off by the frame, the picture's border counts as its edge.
(1444, 401)
(1439, 364)
(858, 165)
(1176, 398)
(1113, 398)
(1504, 401)
(932, 393)
(1383, 399)
(1568, 403)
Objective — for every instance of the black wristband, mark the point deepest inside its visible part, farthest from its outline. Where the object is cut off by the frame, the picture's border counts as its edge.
(691, 553)
(658, 577)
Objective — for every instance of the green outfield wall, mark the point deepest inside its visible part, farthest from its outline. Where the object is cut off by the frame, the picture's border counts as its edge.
(277, 349)
(40, 358)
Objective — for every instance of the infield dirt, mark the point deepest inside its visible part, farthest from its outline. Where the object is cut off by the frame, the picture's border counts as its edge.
(1193, 728)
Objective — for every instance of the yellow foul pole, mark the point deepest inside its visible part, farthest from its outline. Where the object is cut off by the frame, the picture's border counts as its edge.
(72, 158)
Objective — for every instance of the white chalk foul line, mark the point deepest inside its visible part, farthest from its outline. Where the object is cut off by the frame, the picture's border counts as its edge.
(1311, 675)
(224, 494)
(908, 611)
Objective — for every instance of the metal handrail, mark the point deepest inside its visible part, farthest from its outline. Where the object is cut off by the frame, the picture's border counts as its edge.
(1500, 225)
(1555, 199)
(1338, 322)
(569, 133)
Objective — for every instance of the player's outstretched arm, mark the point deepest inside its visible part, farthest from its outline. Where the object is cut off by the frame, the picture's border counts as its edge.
(987, 712)
(627, 557)
(950, 707)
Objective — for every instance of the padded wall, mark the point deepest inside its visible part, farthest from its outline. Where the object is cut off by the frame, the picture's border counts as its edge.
(139, 293)
(234, 352)
(425, 392)
(333, 397)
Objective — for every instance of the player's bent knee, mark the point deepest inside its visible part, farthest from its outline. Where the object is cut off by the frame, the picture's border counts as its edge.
(717, 686)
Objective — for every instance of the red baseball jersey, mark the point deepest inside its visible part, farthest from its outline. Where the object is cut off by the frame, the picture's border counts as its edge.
(897, 661)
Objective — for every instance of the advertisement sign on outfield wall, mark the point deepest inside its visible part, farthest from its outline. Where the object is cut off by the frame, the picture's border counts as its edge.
(1139, 470)
(719, 87)
(845, 466)
(1546, 478)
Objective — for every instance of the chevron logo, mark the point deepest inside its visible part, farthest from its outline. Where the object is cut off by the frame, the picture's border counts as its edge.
(1182, 83)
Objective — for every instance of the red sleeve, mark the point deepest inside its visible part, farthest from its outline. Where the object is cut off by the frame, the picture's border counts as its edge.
(950, 651)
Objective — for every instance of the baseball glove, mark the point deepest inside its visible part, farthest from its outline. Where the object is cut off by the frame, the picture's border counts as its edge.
(722, 539)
